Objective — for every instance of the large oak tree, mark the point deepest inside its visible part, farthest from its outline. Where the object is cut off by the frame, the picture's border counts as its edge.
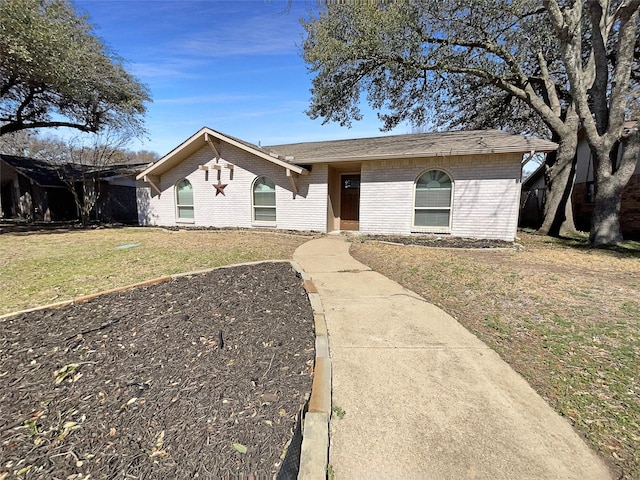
(602, 92)
(54, 72)
(469, 64)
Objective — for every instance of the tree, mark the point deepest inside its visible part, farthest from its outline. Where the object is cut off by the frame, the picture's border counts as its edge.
(601, 90)
(28, 144)
(87, 160)
(470, 64)
(55, 73)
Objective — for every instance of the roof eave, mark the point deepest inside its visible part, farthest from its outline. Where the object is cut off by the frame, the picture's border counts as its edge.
(448, 153)
(197, 141)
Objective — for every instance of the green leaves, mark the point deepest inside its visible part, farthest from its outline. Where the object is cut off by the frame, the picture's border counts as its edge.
(51, 63)
(65, 372)
(428, 62)
(240, 448)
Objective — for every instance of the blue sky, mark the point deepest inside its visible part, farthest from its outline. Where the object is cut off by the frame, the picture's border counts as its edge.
(234, 66)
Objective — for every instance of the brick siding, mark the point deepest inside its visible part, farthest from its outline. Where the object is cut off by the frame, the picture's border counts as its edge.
(307, 211)
(486, 193)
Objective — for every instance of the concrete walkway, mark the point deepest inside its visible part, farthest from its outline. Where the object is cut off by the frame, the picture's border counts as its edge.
(423, 397)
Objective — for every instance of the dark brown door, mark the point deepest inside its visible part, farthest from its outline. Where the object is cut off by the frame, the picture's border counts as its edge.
(350, 202)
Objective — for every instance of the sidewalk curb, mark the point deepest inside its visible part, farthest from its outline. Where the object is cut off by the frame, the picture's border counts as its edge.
(314, 455)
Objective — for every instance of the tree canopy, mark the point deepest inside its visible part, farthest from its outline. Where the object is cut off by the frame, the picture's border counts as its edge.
(483, 64)
(54, 72)
(424, 59)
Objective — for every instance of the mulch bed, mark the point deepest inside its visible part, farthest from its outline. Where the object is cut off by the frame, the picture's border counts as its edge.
(444, 241)
(200, 377)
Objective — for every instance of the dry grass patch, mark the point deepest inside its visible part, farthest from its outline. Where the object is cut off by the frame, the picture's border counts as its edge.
(41, 268)
(566, 317)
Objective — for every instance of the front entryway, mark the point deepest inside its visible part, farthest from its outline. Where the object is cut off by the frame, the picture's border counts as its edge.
(350, 202)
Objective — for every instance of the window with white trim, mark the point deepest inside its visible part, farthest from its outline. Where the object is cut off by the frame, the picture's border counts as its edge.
(432, 204)
(264, 200)
(184, 201)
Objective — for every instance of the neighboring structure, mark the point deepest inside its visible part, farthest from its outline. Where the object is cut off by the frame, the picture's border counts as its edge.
(33, 190)
(583, 195)
(458, 183)
(532, 200)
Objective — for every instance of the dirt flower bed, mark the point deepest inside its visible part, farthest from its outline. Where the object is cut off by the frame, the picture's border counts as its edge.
(443, 241)
(200, 377)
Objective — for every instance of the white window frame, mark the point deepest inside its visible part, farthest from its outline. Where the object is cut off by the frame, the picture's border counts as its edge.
(262, 223)
(434, 228)
(178, 206)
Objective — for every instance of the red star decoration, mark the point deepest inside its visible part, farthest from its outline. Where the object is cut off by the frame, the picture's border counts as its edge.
(219, 187)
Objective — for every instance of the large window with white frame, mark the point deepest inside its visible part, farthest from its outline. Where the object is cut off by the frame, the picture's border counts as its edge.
(433, 199)
(184, 201)
(264, 201)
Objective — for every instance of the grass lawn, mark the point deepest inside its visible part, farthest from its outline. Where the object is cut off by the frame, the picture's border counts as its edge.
(564, 316)
(46, 267)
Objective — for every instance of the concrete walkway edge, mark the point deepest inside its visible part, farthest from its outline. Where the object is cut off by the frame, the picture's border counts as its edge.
(420, 397)
(314, 455)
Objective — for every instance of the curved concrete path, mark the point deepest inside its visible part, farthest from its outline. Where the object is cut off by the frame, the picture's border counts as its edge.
(423, 397)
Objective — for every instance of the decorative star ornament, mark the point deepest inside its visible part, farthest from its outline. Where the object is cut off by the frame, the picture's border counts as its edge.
(219, 187)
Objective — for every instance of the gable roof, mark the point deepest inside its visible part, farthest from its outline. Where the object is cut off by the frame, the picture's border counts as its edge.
(437, 144)
(200, 139)
(293, 156)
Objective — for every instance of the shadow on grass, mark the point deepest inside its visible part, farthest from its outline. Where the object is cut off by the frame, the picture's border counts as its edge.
(18, 227)
(628, 248)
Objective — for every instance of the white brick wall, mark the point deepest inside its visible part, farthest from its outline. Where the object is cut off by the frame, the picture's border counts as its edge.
(486, 195)
(233, 209)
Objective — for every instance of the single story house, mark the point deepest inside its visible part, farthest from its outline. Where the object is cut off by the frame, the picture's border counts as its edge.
(34, 190)
(464, 183)
(583, 194)
(31, 189)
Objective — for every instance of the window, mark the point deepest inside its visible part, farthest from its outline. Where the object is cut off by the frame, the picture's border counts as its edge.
(264, 200)
(433, 201)
(184, 201)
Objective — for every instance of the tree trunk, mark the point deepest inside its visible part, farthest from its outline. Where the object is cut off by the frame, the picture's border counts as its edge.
(89, 197)
(610, 183)
(560, 175)
(605, 223)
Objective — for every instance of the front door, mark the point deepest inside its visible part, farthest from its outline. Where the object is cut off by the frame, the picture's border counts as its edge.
(350, 202)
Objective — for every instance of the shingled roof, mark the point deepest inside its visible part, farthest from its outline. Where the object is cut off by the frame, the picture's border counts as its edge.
(474, 142)
(203, 137)
(41, 172)
(47, 174)
(295, 156)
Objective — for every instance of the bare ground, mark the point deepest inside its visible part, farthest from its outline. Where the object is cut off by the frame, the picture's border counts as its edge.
(201, 377)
